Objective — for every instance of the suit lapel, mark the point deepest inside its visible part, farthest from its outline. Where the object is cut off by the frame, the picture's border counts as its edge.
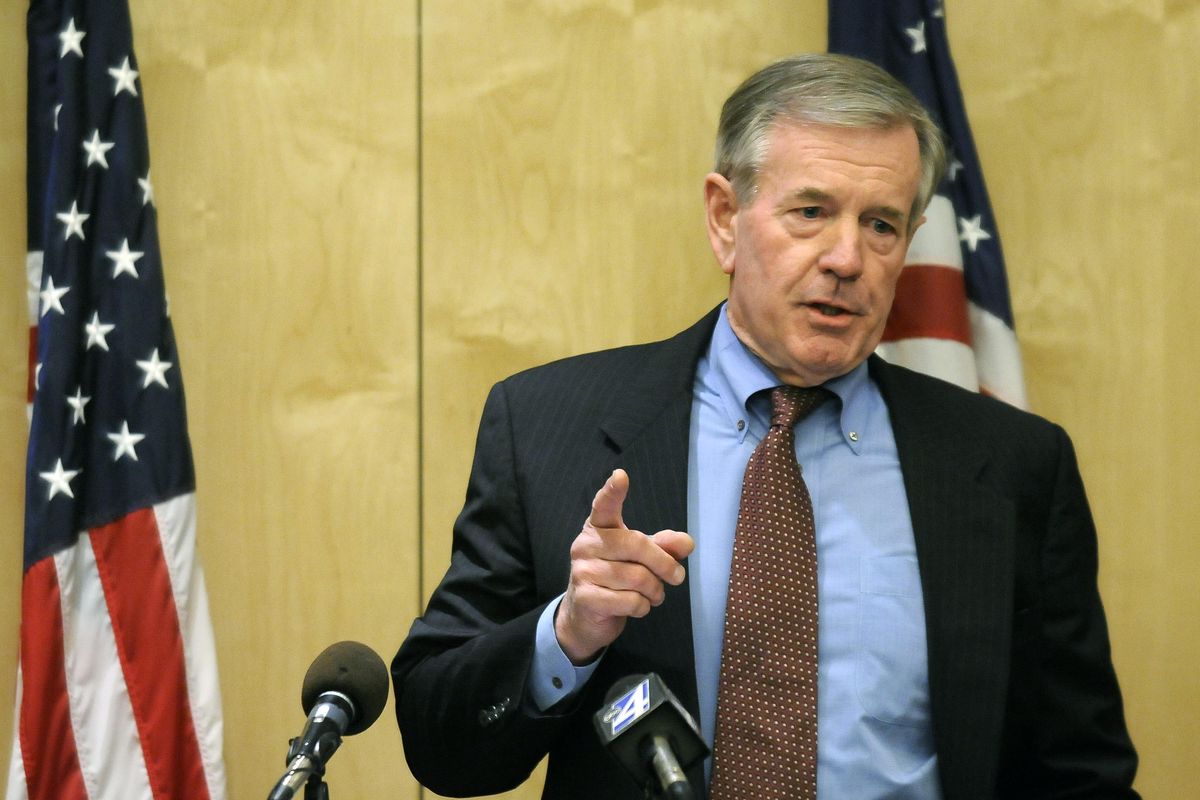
(964, 531)
(649, 432)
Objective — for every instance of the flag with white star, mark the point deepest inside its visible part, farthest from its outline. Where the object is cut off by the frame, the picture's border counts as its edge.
(117, 686)
(952, 316)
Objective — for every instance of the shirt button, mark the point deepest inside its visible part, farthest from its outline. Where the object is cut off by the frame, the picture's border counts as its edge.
(557, 681)
(741, 424)
(853, 436)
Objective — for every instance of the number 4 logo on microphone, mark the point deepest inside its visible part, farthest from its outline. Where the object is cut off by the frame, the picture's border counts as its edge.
(630, 707)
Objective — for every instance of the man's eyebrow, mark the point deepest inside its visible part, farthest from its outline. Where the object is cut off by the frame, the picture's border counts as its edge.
(810, 193)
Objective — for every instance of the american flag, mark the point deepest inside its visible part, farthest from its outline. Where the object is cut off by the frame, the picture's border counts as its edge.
(117, 685)
(952, 317)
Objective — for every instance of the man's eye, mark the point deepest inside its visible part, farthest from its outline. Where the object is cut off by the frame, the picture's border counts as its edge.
(881, 227)
(809, 212)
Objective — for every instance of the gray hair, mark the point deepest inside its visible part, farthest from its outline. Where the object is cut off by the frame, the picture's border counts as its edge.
(821, 89)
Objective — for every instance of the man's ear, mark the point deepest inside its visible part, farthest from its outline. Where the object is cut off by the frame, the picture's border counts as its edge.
(721, 207)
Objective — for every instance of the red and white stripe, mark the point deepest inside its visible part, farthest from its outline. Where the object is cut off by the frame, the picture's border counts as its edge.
(935, 329)
(117, 692)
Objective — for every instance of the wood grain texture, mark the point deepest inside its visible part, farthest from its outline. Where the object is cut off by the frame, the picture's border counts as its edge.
(564, 143)
(1084, 114)
(283, 138)
(14, 353)
(565, 146)
(283, 149)
(564, 150)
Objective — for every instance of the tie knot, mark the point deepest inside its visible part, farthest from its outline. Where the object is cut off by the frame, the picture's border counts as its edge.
(790, 404)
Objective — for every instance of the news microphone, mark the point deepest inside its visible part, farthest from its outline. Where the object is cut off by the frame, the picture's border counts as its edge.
(344, 691)
(651, 735)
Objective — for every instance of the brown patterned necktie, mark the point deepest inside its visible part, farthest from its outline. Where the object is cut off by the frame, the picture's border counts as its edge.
(766, 733)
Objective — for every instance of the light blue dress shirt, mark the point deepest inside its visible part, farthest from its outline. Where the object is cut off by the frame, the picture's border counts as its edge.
(874, 733)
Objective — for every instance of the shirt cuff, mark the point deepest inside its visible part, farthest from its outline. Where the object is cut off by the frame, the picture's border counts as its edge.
(552, 677)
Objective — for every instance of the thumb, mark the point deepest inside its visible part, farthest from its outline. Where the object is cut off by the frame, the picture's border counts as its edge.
(606, 508)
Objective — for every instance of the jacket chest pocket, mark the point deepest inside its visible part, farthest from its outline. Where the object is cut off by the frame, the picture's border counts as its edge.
(891, 674)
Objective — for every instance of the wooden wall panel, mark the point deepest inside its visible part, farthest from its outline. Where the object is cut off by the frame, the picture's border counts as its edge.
(1084, 114)
(284, 147)
(564, 143)
(14, 351)
(1160, 626)
(565, 146)
(564, 149)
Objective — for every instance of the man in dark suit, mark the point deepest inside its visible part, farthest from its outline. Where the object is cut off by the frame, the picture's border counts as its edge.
(963, 651)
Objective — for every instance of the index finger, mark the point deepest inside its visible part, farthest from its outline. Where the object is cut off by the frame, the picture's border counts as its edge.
(606, 507)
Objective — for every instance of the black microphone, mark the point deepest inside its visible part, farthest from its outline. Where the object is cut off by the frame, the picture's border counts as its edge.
(344, 691)
(651, 735)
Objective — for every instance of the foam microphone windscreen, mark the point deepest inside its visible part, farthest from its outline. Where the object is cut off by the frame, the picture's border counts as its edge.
(355, 670)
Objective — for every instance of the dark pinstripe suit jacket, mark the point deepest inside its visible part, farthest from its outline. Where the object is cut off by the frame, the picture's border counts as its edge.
(1024, 700)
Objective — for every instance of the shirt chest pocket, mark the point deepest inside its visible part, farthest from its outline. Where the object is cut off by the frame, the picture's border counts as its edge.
(891, 674)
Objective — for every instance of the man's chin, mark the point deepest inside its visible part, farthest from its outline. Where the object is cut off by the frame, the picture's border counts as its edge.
(814, 366)
(809, 358)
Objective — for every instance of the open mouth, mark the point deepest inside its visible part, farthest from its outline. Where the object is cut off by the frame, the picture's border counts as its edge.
(827, 310)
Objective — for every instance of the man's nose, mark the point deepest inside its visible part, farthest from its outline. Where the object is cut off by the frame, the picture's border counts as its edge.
(842, 254)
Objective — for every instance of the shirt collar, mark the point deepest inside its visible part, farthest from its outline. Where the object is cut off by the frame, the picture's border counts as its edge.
(742, 375)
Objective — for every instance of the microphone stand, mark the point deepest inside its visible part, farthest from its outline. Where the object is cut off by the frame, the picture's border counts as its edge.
(316, 788)
(310, 769)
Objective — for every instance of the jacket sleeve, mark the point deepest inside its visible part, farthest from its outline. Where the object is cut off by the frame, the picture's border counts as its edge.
(1077, 737)
(460, 675)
